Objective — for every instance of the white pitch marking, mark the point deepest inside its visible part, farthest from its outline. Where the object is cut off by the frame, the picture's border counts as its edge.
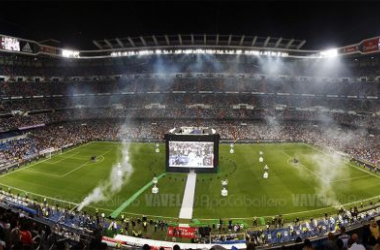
(36, 163)
(305, 168)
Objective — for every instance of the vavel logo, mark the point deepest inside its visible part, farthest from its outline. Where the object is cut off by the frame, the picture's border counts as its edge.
(27, 48)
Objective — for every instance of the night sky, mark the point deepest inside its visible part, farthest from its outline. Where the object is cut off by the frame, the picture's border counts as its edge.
(75, 24)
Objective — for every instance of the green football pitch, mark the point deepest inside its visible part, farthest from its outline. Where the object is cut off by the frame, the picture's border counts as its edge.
(318, 183)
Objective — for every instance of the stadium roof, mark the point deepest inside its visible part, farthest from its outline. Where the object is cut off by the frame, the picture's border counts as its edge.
(188, 44)
(199, 40)
(323, 24)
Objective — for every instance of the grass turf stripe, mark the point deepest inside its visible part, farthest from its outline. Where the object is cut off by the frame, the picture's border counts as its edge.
(126, 203)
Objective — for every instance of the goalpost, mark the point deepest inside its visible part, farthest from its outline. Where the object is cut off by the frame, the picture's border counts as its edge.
(48, 155)
(343, 156)
(47, 152)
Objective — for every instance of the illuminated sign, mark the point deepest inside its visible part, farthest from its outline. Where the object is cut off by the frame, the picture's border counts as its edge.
(371, 45)
(9, 43)
(351, 49)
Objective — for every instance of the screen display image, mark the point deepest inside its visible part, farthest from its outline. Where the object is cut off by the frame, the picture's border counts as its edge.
(191, 154)
(9, 43)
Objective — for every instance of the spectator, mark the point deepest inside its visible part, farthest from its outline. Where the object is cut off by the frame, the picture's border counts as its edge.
(374, 228)
(307, 245)
(353, 243)
(343, 236)
(331, 243)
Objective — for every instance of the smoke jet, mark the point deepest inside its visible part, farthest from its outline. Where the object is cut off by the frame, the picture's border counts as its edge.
(119, 176)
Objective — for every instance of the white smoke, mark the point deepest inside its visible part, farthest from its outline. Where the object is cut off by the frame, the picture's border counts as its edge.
(274, 126)
(331, 167)
(328, 168)
(119, 176)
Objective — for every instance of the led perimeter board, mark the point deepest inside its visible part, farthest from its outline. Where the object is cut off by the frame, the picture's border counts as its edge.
(192, 152)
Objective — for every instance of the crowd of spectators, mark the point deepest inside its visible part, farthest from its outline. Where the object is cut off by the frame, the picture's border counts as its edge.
(15, 151)
(190, 83)
(181, 100)
(230, 108)
(369, 239)
(22, 229)
(332, 227)
(139, 92)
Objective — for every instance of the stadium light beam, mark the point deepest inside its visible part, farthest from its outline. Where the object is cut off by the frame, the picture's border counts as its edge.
(200, 51)
(329, 53)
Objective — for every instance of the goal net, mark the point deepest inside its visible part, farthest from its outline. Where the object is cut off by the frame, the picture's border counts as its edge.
(47, 152)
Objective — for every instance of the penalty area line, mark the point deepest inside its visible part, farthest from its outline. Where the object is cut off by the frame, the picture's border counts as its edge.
(63, 158)
(41, 161)
(83, 165)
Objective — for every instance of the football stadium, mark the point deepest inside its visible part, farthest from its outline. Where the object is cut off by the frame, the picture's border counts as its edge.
(189, 141)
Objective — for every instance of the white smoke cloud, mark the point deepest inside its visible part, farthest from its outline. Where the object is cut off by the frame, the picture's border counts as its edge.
(328, 168)
(331, 167)
(274, 126)
(119, 176)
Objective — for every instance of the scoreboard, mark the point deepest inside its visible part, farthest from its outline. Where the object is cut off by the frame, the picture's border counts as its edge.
(13, 44)
(9, 43)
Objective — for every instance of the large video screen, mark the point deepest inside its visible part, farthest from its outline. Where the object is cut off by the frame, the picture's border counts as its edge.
(191, 154)
(185, 153)
(9, 43)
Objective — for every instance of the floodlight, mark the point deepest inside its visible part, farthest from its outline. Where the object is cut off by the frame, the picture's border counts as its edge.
(70, 53)
(329, 53)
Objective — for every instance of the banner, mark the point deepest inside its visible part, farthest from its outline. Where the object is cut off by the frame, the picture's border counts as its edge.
(350, 49)
(156, 244)
(28, 47)
(182, 232)
(32, 126)
(371, 45)
(112, 242)
(49, 50)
